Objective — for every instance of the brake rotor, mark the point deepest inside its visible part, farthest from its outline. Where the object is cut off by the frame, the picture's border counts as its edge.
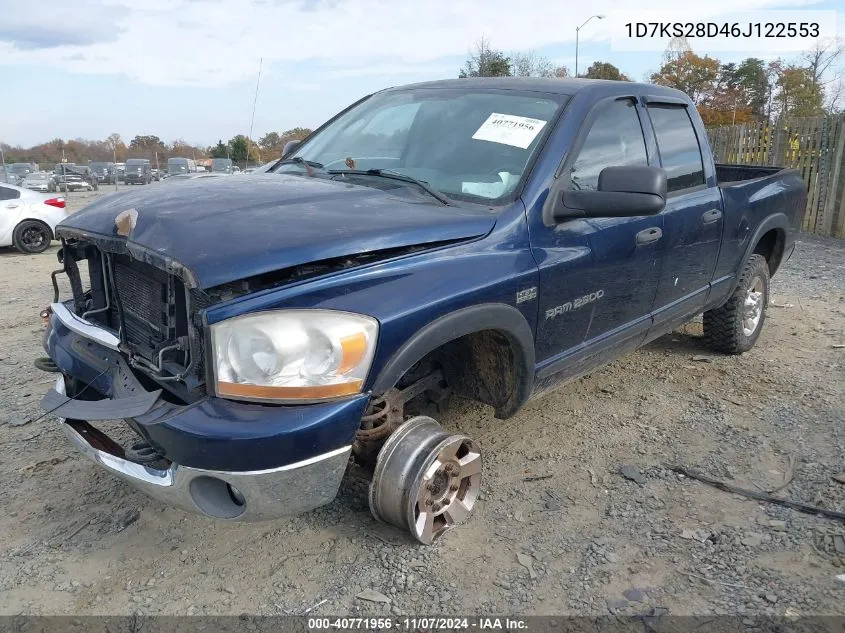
(426, 480)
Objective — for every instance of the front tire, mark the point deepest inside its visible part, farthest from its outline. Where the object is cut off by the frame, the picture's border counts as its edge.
(734, 327)
(32, 236)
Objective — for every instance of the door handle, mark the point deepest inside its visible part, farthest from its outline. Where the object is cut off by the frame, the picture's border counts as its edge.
(711, 216)
(649, 235)
(12, 206)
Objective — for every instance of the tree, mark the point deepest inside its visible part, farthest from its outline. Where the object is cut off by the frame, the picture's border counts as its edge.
(271, 143)
(220, 150)
(750, 82)
(486, 62)
(819, 59)
(604, 70)
(146, 146)
(297, 133)
(529, 64)
(238, 148)
(683, 70)
(797, 93)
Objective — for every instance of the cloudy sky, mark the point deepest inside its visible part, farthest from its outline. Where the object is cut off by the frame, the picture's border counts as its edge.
(187, 68)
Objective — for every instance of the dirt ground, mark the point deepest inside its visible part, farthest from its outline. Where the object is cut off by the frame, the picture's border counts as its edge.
(558, 530)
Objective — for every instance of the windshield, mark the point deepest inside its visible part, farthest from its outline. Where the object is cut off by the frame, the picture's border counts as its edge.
(470, 144)
(177, 166)
(36, 177)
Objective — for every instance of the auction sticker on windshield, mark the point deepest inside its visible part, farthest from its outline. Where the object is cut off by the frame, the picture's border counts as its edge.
(509, 129)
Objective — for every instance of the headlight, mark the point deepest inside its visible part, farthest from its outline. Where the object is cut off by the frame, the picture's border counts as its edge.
(292, 355)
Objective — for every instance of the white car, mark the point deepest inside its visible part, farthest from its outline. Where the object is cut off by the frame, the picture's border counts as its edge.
(28, 219)
(39, 181)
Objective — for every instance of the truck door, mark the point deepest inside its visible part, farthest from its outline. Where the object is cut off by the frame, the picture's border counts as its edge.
(598, 276)
(692, 224)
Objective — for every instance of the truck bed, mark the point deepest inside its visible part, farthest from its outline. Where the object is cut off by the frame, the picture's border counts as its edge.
(735, 173)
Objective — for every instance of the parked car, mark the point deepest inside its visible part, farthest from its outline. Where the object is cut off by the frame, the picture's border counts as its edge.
(138, 172)
(73, 177)
(105, 172)
(20, 170)
(39, 181)
(507, 235)
(27, 219)
(156, 175)
(120, 171)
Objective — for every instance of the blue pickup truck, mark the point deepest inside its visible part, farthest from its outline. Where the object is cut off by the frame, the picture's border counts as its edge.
(486, 238)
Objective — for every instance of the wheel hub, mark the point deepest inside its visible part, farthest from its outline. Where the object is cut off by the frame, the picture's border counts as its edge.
(426, 480)
(752, 307)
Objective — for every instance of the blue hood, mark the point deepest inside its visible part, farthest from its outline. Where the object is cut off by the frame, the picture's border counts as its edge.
(226, 229)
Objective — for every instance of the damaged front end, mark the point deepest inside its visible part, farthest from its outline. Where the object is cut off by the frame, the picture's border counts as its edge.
(148, 301)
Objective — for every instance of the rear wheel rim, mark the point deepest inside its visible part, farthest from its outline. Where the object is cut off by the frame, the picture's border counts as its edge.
(752, 307)
(34, 237)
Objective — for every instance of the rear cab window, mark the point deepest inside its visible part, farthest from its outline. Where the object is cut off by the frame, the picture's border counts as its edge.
(677, 144)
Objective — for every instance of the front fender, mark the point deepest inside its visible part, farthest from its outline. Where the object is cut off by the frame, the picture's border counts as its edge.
(488, 316)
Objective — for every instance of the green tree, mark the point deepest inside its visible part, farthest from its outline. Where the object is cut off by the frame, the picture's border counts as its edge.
(146, 143)
(797, 93)
(220, 150)
(271, 143)
(238, 148)
(605, 70)
(485, 61)
(685, 71)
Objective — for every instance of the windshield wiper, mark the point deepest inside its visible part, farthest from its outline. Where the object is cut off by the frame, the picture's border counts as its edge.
(309, 165)
(395, 175)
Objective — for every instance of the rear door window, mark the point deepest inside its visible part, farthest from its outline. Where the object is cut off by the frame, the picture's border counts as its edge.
(7, 193)
(680, 154)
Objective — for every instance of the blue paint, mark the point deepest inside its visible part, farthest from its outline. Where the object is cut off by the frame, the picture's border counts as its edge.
(231, 229)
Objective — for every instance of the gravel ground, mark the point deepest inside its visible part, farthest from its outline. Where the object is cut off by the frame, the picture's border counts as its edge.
(558, 530)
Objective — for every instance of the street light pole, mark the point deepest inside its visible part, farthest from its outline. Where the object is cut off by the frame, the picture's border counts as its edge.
(577, 32)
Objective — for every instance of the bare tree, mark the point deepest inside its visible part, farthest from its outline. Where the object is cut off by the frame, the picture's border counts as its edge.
(824, 57)
(529, 64)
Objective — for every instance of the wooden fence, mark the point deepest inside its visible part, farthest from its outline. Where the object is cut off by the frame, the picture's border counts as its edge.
(814, 146)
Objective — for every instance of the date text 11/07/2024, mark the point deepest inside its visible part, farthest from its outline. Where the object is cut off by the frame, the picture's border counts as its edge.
(419, 624)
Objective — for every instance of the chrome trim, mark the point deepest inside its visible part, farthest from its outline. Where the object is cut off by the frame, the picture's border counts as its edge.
(267, 494)
(85, 328)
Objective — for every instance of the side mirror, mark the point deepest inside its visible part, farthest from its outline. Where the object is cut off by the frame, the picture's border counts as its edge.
(623, 192)
(289, 147)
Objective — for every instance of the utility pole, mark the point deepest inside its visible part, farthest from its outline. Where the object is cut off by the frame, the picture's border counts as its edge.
(114, 161)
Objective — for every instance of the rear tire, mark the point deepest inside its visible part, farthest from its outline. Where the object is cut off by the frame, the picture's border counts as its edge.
(32, 236)
(734, 327)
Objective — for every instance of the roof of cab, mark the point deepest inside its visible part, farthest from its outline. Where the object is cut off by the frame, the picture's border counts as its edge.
(567, 86)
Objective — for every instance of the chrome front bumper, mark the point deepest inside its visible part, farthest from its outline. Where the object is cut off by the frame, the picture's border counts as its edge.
(233, 496)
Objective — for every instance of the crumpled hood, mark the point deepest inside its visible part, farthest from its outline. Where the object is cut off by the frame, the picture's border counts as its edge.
(230, 228)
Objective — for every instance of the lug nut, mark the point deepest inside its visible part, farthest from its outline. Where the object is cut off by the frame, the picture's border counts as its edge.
(454, 487)
(428, 502)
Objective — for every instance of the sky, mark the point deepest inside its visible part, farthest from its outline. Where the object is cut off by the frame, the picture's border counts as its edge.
(187, 69)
